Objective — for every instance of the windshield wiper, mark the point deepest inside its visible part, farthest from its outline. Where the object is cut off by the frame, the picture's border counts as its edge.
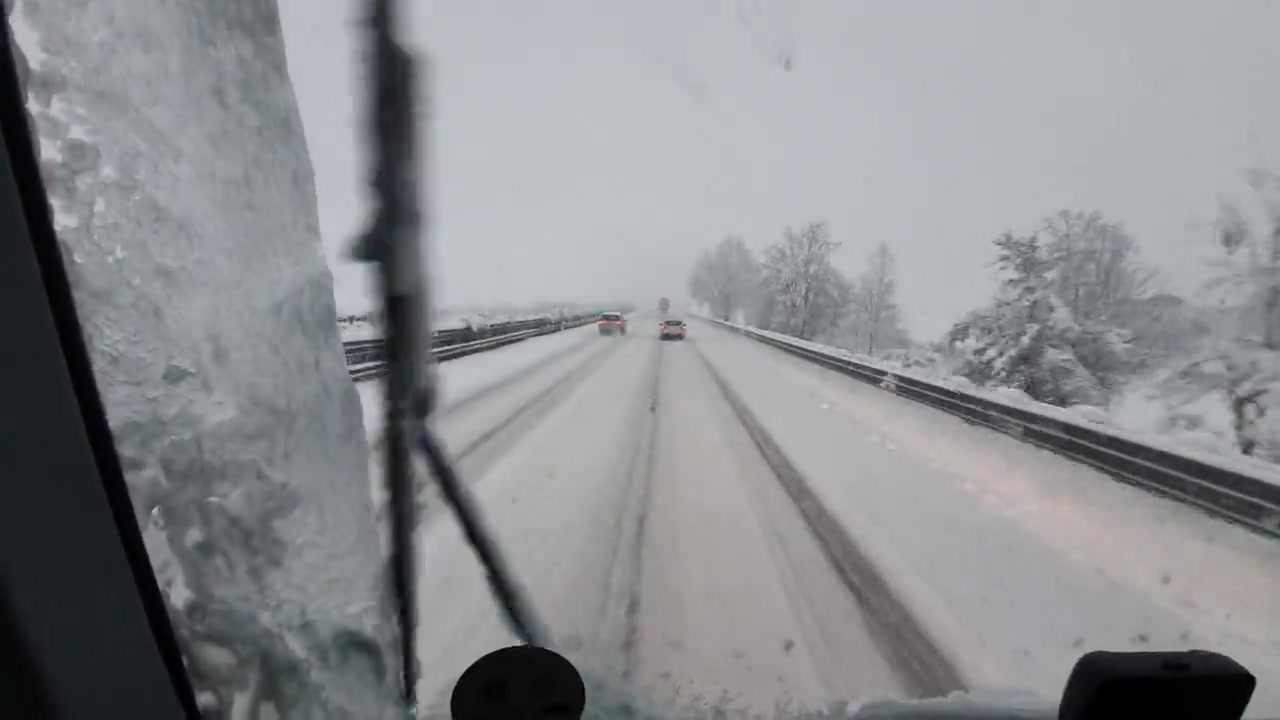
(393, 241)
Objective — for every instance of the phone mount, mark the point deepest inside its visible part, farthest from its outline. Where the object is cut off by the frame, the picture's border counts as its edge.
(523, 681)
(1190, 685)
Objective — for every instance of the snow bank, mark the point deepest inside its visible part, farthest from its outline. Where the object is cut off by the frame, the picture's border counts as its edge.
(1203, 422)
(1199, 429)
(175, 161)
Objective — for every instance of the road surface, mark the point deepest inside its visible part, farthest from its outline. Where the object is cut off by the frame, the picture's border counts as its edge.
(1016, 560)
(716, 522)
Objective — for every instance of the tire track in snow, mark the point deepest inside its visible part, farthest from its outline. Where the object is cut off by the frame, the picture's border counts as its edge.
(489, 390)
(624, 581)
(481, 451)
(551, 497)
(462, 404)
(924, 670)
(510, 428)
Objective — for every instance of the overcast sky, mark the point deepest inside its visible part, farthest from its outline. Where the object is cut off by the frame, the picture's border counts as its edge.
(589, 149)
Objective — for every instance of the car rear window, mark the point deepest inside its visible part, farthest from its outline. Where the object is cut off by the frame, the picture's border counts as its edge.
(610, 316)
(673, 323)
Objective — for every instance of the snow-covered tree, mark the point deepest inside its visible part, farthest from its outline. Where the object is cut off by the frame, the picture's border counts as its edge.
(873, 320)
(802, 292)
(1027, 339)
(1249, 274)
(1072, 319)
(1163, 326)
(829, 304)
(1096, 273)
(1240, 358)
(725, 277)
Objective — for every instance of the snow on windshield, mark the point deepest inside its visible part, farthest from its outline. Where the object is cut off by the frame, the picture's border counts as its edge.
(871, 218)
(175, 162)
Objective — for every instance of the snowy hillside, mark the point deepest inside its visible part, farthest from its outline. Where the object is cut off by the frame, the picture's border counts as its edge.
(175, 162)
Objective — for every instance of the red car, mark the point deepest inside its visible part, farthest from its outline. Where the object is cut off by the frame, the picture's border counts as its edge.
(612, 323)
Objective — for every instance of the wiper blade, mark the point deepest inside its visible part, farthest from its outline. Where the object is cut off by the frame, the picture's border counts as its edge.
(514, 603)
(393, 241)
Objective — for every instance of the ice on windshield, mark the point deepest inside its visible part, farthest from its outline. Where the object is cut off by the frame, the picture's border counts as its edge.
(949, 272)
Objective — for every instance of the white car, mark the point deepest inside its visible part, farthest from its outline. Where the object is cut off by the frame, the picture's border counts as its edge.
(612, 322)
(672, 330)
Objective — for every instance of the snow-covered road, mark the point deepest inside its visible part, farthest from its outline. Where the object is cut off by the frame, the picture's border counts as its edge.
(657, 543)
(663, 550)
(735, 594)
(470, 377)
(1015, 560)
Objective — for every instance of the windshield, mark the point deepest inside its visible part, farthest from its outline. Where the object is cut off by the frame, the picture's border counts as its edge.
(981, 373)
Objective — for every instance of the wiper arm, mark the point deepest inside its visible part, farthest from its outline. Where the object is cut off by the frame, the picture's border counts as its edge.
(393, 241)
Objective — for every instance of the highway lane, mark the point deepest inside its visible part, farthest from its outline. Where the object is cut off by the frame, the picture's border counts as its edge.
(736, 597)
(659, 547)
(669, 555)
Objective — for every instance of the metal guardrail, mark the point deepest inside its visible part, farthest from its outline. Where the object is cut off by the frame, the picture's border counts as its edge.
(1247, 500)
(365, 357)
(360, 352)
(365, 351)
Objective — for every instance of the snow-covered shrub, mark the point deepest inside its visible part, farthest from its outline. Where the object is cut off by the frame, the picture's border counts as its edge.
(1029, 339)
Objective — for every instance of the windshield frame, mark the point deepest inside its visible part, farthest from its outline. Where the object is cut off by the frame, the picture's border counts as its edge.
(70, 539)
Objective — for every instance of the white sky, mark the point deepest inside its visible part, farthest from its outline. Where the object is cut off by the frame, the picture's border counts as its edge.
(589, 149)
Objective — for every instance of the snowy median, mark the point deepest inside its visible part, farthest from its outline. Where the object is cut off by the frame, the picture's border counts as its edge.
(463, 379)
